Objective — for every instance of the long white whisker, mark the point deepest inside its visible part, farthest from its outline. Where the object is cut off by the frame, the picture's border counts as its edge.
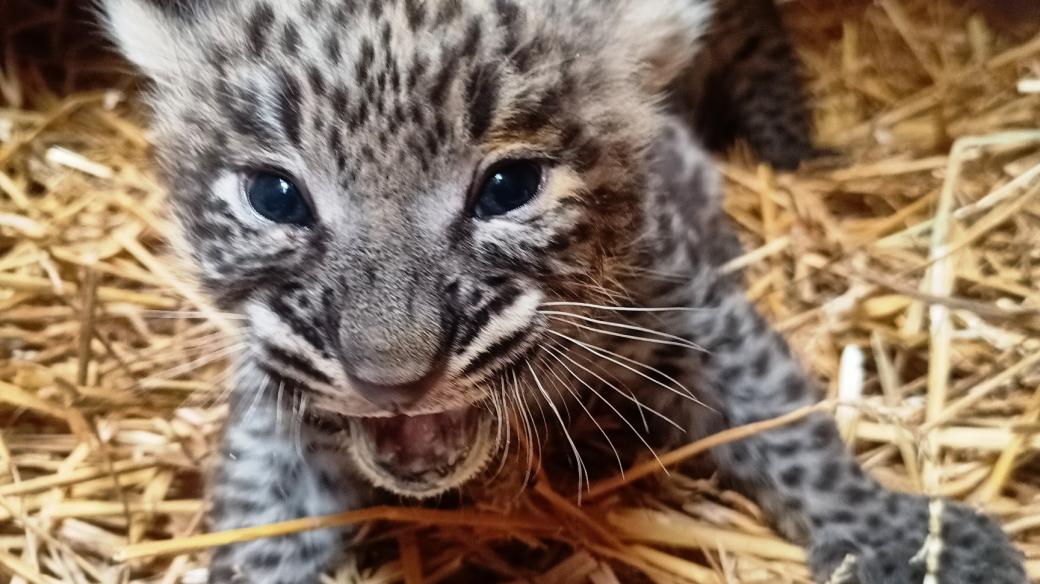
(503, 425)
(626, 326)
(199, 362)
(224, 383)
(495, 411)
(541, 413)
(582, 471)
(258, 396)
(620, 360)
(278, 407)
(200, 341)
(641, 408)
(545, 366)
(190, 314)
(501, 444)
(625, 394)
(240, 374)
(521, 412)
(609, 405)
(502, 407)
(623, 308)
(301, 411)
(189, 350)
(526, 404)
(581, 404)
(666, 339)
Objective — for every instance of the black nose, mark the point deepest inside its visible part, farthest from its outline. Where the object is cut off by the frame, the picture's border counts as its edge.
(395, 397)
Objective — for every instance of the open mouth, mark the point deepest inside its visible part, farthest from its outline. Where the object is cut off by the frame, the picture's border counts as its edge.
(422, 456)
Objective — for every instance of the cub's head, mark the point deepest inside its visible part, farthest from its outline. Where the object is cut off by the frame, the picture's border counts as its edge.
(389, 190)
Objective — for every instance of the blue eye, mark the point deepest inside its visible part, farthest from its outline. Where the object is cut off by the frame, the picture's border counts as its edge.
(278, 199)
(508, 186)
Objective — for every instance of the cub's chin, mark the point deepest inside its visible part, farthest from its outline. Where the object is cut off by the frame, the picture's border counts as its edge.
(423, 456)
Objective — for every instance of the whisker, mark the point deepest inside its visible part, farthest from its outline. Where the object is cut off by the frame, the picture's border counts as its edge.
(502, 407)
(544, 366)
(491, 406)
(627, 395)
(175, 351)
(278, 407)
(617, 412)
(225, 384)
(192, 341)
(517, 431)
(239, 374)
(666, 339)
(301, 411)
(502, 444)
(190, 314)
(581, 404)
(623, 308)
(621, 360)
(582, 471)
(527, 433)
(641, 408)
(502, 423)
(536, 446)
(259, 395)
(198, 362)
(541, 412)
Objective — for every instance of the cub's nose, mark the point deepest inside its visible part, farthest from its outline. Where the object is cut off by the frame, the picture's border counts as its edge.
(397, 396)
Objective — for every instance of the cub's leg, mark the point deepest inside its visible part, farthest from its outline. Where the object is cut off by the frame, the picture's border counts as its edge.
(747, 83)
(275, 468)
(802, 474)
(807, 480)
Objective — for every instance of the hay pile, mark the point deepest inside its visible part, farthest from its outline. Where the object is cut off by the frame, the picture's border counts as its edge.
(906, 273)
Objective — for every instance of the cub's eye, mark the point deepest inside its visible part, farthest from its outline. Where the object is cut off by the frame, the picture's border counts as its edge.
(277, 199)
(507, 186)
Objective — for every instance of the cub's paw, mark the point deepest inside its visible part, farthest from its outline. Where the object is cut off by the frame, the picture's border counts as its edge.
(904, 539)
(266, 562)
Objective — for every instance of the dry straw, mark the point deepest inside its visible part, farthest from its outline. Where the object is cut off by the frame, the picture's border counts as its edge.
(905, 270)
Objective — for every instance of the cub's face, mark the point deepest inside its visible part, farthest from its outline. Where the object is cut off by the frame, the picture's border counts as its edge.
(390, 190)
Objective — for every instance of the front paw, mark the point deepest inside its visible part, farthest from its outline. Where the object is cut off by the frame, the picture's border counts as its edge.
(294, 559)
(904, 539)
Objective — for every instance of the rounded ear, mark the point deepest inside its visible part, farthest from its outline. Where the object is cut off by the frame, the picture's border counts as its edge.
(663, 36)
(149, 37)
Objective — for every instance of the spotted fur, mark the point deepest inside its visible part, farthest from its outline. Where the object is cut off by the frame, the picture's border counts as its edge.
(604, 289)
(747, 84)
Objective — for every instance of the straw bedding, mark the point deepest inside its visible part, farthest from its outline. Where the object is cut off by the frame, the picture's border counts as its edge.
(905, 269)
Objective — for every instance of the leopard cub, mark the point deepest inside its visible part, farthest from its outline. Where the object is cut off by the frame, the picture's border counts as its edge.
(437, 216)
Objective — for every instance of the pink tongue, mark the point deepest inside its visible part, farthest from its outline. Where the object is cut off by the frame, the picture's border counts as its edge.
(410, 435)
(417, 443)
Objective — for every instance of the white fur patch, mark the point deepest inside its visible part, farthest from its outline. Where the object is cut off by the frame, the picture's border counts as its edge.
(145, 35)
(506, 323)
(689, 17)
(663, 35)
(269, 326)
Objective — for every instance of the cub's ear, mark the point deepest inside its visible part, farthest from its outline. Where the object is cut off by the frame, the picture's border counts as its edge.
(663, 36)
(154, 38)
